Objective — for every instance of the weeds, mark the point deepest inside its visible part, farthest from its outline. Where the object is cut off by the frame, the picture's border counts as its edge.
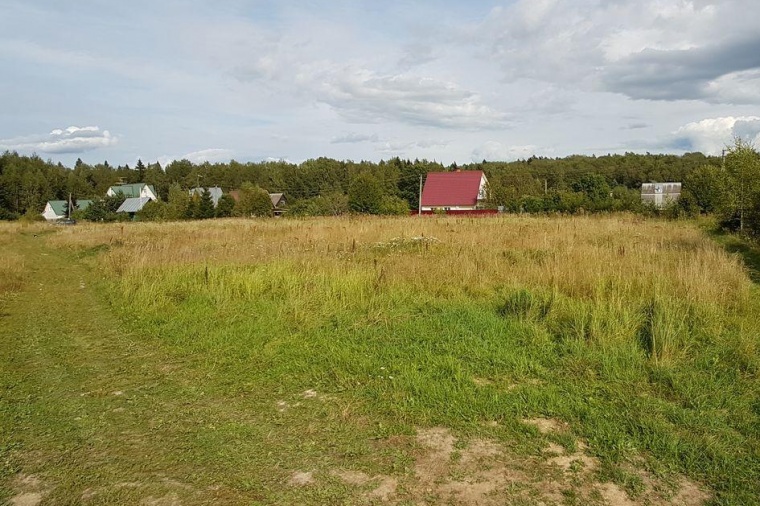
(640, 335)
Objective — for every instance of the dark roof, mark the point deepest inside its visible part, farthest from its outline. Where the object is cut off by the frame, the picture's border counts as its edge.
(452, 188)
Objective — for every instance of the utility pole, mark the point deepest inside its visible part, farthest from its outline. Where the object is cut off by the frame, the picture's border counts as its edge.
(419, 205)
(741, 198)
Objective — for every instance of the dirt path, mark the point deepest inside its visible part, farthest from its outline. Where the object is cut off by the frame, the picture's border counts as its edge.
(82, 400)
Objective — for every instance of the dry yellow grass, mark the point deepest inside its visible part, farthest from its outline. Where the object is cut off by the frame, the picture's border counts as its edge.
(581, 257)
(640, 336)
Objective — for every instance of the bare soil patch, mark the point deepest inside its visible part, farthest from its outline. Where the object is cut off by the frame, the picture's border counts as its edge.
(29, 491)
(483, 472)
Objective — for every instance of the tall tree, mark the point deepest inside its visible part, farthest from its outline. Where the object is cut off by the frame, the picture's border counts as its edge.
(743, 168)
(205, 206)
(254, 201)
(140, 168)
(365, 195)
(178, 204)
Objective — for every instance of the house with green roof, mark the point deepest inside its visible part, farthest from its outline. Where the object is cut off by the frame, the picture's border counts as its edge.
(135, 190)
(56, 209)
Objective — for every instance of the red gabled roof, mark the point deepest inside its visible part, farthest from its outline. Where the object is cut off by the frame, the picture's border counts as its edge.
(451, 188)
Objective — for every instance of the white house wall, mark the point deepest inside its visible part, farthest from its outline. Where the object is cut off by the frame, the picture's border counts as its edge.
(482, 189)
(146, 193)
(49, 214)
(450, 208)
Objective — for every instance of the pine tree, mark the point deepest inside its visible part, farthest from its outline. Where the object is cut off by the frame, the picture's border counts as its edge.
(205, 206)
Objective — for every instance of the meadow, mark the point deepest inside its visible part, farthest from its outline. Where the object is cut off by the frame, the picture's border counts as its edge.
(522, 360)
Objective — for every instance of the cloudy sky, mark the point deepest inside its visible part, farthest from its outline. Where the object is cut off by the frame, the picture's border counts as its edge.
(447, 80)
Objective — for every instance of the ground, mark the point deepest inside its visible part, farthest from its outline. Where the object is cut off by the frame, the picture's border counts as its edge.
(98, 409)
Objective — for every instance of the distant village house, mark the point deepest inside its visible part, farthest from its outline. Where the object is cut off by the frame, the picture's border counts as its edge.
(56, 209)
(137, 195)
(135, 190)
(660, 195)
(278, 203)
(458, 191)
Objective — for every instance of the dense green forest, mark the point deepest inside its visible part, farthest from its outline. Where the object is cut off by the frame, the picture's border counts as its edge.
(729, 187)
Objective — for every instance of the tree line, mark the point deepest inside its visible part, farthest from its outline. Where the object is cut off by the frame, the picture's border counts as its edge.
(728, 186)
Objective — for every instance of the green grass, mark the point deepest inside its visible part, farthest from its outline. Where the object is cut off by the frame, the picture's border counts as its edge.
(195, 374)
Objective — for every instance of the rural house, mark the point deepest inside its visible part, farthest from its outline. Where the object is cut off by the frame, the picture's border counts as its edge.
(135, 190)
(660, 194)
(137, 195)
(56, 209)
(278, 203)
(454, 191)
(215, 192)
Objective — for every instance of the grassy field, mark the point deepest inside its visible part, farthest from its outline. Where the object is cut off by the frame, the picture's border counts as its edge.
(518, 360)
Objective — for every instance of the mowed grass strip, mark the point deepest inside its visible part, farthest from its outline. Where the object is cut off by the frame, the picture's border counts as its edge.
(288, 345)
(93, 413)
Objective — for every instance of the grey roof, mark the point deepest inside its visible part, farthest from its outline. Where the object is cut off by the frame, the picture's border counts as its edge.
(275, 198)
(133, 205)
(215, 191)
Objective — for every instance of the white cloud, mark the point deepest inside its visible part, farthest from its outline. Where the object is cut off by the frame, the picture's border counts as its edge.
(649, 49)
(493, 151)
(364, 96)
(354, 138)
(711, 135)
(206, 155)
(69, 140)
(404, 148)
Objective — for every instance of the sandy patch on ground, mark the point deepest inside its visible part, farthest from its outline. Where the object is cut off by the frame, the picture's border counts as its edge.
(483, 472)
(29, 491)
(300, 479)
(546, 425)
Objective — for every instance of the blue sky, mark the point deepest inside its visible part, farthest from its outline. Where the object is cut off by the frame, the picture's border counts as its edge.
(366, 80)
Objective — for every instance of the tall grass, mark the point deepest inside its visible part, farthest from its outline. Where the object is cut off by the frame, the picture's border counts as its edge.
(597, 279)
(12, 264)
(642, 334)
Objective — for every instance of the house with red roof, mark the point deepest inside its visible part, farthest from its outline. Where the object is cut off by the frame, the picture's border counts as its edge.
(454, 191)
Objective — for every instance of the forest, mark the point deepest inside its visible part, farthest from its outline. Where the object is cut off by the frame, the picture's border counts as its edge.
(727, 186)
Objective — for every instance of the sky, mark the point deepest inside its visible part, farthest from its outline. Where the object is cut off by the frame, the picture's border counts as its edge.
(451, 81)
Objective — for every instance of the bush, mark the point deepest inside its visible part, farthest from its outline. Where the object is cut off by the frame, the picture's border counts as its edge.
(365, 195)
(394, 206)
(103, 209)
(225, 207)
(254, 201)
(329, 204)
(153, 211)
